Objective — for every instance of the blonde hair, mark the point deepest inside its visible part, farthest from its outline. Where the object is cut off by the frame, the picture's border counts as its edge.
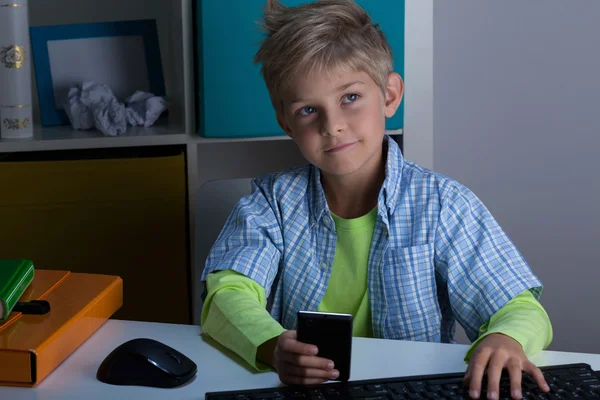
(322, 36)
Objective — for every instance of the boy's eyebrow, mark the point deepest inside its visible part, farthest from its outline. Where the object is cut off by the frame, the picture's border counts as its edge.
(347, 85)
(339, 89)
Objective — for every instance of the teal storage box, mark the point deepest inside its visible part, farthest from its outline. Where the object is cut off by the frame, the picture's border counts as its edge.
(232, 99)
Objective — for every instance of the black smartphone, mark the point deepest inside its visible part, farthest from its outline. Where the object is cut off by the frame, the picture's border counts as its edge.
(332, 334)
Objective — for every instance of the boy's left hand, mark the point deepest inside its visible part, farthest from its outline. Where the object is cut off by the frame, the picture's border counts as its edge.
(494, 353)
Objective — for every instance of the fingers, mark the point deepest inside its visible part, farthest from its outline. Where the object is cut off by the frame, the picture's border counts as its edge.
(516, 375)
(537, 376)
(309, 373)
(297, 364)
(494, 353)
(477, 367)
(467, 377)
(515, 370)
(289, 344)
(307, 361)
(494, 372)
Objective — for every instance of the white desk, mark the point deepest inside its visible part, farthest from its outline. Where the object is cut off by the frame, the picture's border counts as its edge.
(371, 358)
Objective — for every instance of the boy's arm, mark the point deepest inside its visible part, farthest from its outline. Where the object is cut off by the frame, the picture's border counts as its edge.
(523, 319)
(240, 271)
(234, 315)
(480, 265)
(251, 241)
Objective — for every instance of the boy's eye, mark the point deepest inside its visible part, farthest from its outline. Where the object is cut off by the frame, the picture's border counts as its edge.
(350, 98)
(307, 110)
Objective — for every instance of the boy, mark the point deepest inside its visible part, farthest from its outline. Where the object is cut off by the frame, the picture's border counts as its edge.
(360, 230)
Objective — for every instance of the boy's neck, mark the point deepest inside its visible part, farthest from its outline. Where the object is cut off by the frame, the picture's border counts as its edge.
(354, 195)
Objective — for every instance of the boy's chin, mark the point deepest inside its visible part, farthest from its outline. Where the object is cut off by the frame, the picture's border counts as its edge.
(338, 171)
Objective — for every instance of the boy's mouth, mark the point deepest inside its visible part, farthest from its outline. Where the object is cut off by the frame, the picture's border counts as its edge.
(340, 147)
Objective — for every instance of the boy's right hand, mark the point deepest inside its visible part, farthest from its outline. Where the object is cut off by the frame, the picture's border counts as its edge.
(297, 363)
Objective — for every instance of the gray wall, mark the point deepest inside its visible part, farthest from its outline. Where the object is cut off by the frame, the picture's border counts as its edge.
(517, 120)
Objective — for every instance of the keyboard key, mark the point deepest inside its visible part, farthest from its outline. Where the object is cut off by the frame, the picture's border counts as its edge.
(315, 395)
(268, 396)
(417, 387)
(584, 380)
(578, 370)
(561, 372)
(380, 391)
(367, 395)
(449, 381)
(449, 393)
(453, 386)
(530, 386)
(592, 386)
(356, 389)
(582, 374)
(398, 388)
(331, 392)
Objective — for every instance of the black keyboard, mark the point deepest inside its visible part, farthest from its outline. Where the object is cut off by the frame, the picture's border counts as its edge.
(568, 381)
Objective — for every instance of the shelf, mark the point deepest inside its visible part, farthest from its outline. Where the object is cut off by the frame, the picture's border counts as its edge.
(66, 138)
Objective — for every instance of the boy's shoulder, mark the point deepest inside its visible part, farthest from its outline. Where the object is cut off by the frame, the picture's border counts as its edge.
(415, 174)
(414, 183)
(425, 182)
(289, 181)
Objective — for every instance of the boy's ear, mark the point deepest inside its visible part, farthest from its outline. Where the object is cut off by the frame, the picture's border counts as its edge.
(394, 93)
(282, 123)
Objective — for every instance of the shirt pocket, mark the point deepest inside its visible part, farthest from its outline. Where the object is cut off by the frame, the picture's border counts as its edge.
(413, 311)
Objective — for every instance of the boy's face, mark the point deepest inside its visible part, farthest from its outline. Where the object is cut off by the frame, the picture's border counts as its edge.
(338, 120)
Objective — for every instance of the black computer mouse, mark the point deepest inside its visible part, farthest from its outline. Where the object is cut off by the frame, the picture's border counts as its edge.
(146, 362)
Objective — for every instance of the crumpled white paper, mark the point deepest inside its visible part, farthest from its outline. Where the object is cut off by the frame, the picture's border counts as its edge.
(81, 101)
(110, 118)
(93, 105)
(144, 108)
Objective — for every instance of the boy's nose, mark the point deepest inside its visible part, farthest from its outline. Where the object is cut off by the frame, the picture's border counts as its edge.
(332, 124)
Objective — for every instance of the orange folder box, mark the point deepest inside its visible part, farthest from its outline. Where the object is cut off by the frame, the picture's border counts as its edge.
(32, 346)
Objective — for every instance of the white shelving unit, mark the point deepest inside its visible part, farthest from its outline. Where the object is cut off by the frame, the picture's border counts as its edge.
(65, 138)
(208, 159)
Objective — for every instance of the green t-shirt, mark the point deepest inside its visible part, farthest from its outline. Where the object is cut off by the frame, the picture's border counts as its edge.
(347, 291)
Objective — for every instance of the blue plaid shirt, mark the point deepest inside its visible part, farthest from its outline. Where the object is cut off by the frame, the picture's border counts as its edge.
(437, 255)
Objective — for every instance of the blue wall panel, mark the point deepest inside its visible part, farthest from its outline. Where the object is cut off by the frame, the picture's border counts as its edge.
(233, 100)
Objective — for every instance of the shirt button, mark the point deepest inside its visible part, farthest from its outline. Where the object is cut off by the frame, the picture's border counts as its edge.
(323, 266)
